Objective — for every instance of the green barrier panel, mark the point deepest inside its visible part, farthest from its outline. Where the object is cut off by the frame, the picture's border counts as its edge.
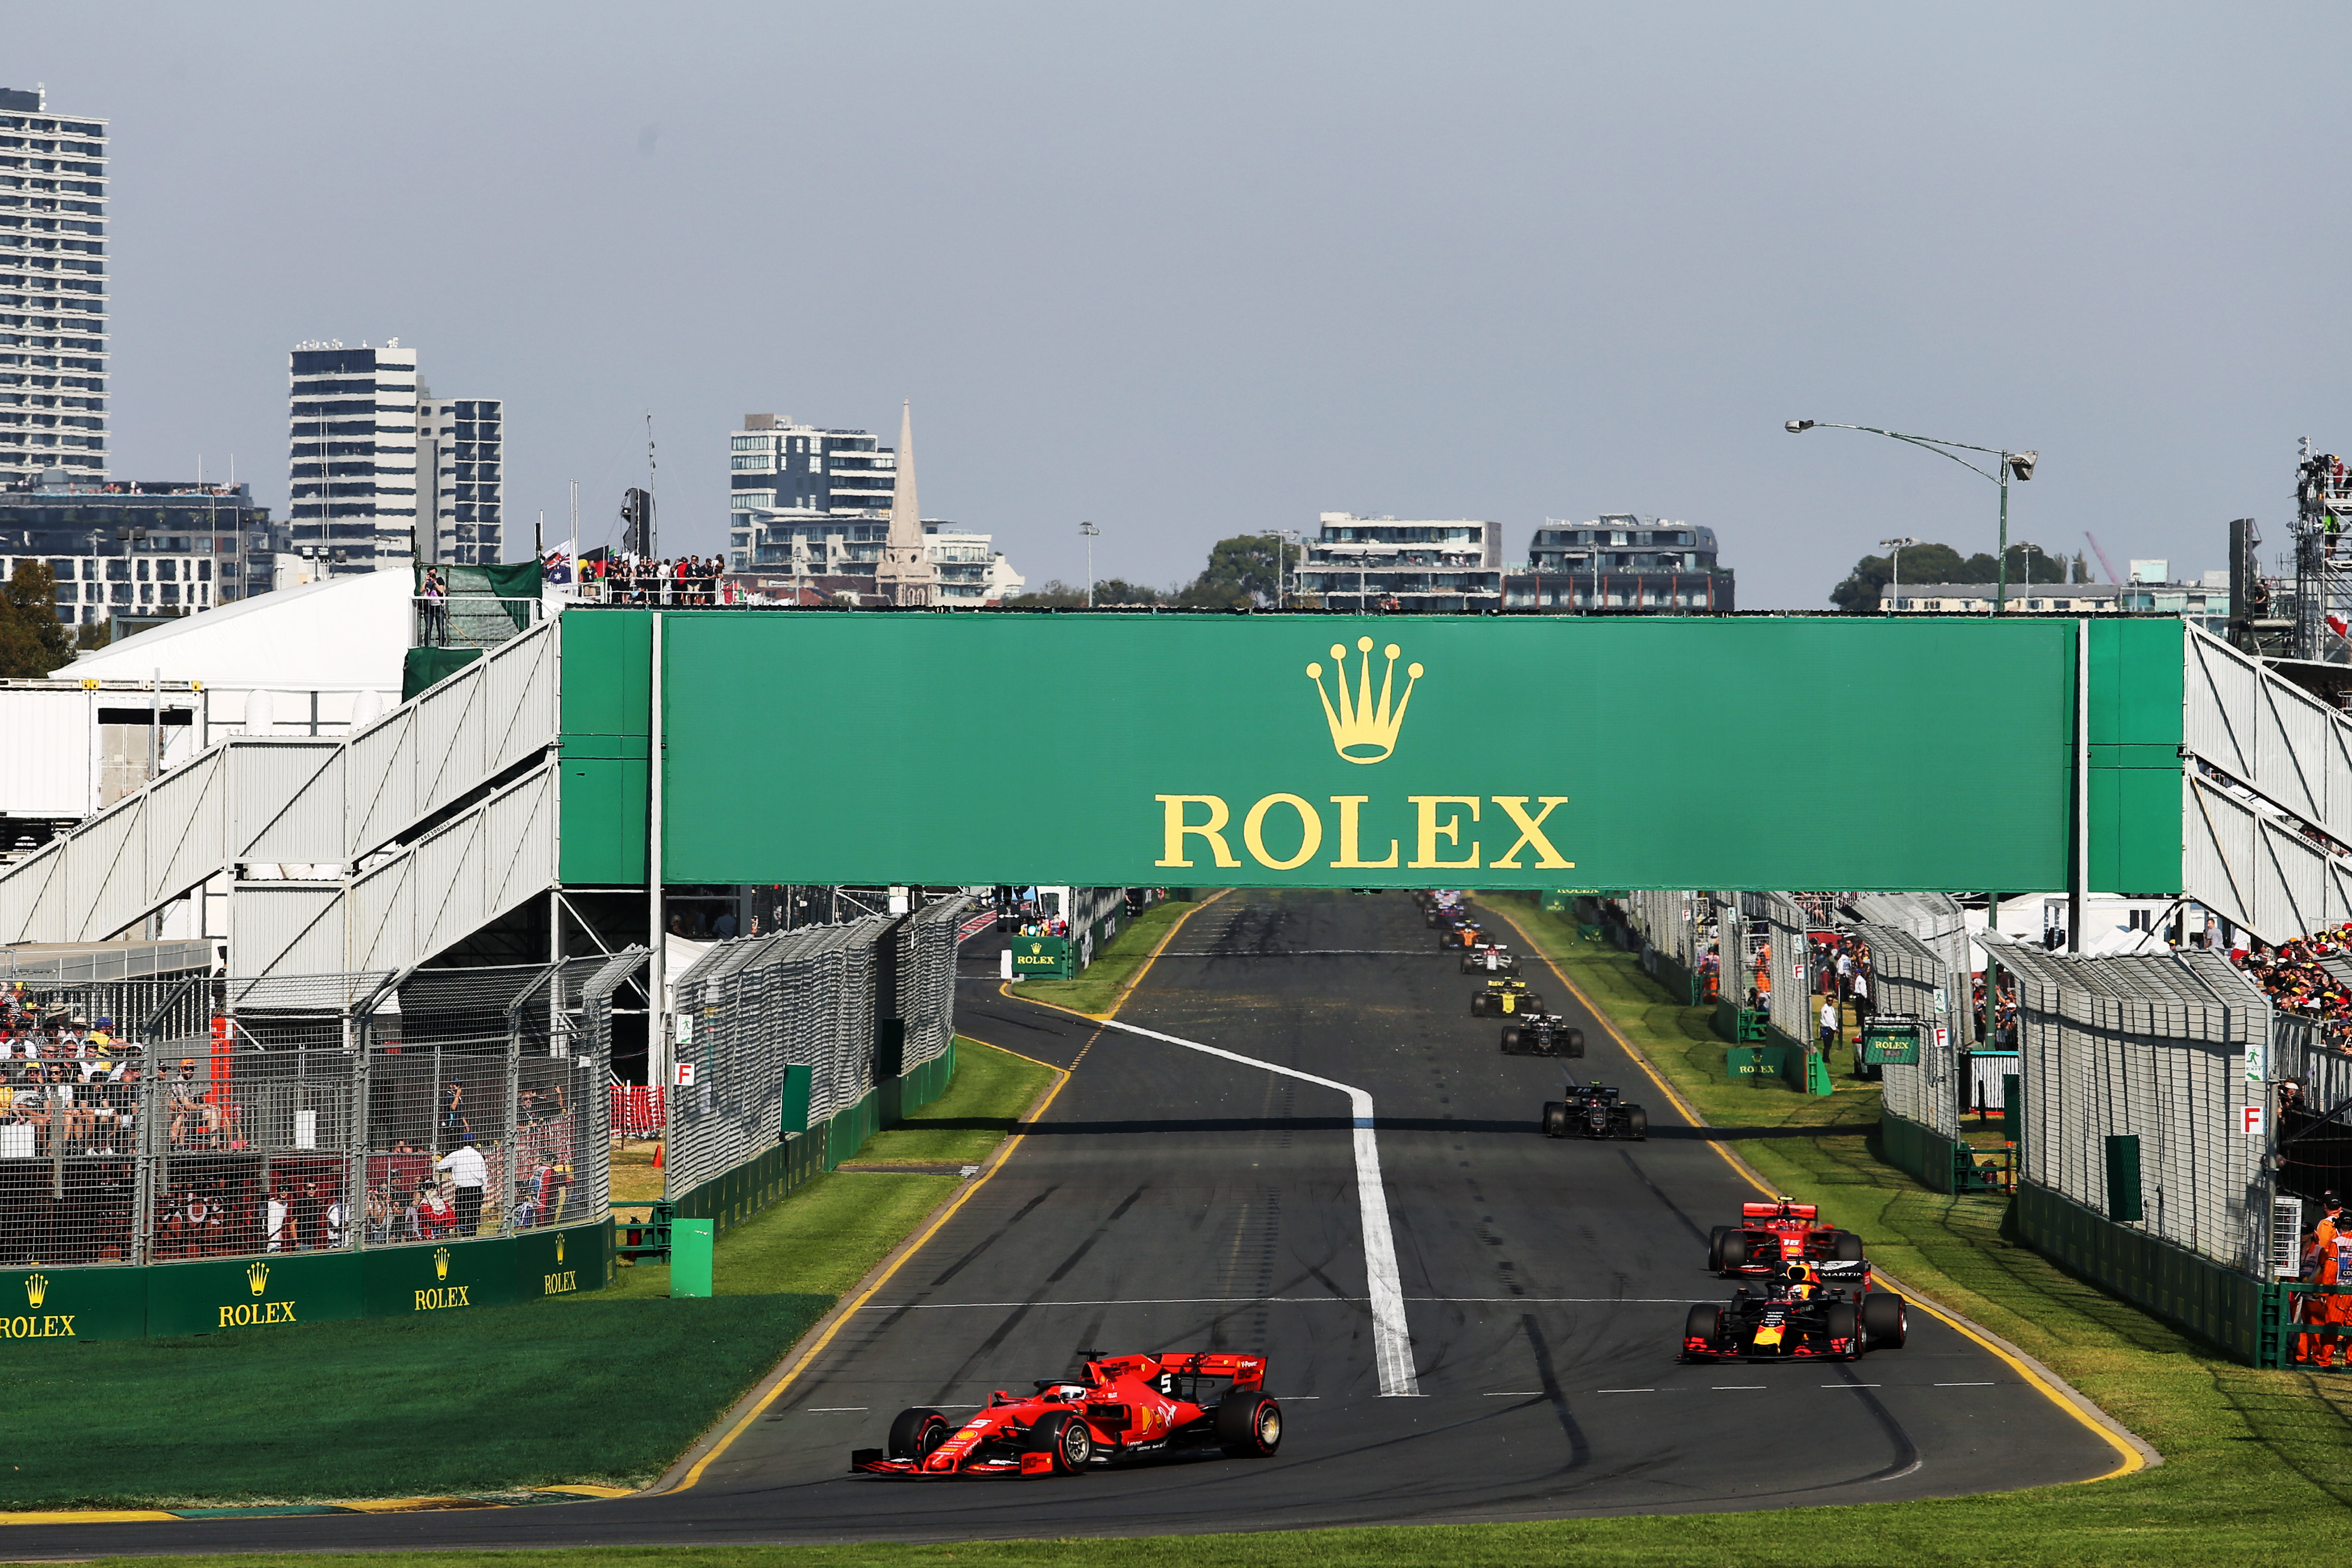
(1754, 1064)
(559, 1262)
(2123, 1176)
(1919, 1152)
(258, 1292)
(2220, 1304)
(689, 1258)
(1687, 989)
(454, 1276)
(1041, 958)
(61, 1304)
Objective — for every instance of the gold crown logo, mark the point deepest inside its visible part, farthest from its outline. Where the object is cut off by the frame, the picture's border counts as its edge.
(257, 1277)
(1361, 731)
(559, 1246)
(37, 1289)
(440, 1263)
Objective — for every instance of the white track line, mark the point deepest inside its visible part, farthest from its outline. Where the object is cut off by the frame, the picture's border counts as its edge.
(1286, 1301)
(1392, 1339)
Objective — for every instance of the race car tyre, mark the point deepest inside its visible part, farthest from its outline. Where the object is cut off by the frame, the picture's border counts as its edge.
(1734, 1249)
(1715, 1249)
(1637, 1124)
(1530, 1003)
(1430, 919)
(1249, 1426)
(1847, 1248)
(1572, 1042)
(1555, 1119)
(1469, 964)
(1478, 1006)
(1070, 1440)
(1510, 1040)
(1845, 1323)
(1705, 1322)
(916, 1433)
(1886, 1319)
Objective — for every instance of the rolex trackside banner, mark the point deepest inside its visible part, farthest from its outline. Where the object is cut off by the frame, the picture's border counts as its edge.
(1343, 751)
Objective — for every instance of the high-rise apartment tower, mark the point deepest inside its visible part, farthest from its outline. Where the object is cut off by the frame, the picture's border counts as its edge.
(381, 472)
(52, 291)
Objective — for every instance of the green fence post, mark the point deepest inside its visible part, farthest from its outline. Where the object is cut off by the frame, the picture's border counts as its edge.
(2123, 1177)
(798, 1080)
(689, 1258)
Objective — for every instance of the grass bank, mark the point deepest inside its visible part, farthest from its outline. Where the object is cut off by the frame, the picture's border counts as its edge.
(1115, 967)
(604, 1388)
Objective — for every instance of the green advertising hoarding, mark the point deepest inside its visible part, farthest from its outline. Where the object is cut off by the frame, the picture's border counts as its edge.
(1299, 751)
(1041, 957)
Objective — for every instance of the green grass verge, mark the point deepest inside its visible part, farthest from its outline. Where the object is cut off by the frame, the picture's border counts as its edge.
(980, 1111)
(1114, 968)
(492, 1400)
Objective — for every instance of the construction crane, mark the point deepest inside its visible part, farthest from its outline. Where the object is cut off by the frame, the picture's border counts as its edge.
(2105, 564)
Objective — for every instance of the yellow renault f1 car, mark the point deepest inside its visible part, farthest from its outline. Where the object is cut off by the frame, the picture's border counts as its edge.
(1505, 999)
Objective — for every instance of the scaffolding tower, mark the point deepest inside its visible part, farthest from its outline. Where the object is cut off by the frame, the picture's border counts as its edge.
(2323, 558)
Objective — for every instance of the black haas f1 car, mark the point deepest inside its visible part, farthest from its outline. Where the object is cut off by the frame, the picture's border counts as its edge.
(1824, 1309)
(1484, 957)
(1120, 1407)
(1594, 1110)
(1505, 999)
(1770, 1235)
(1542, 1035)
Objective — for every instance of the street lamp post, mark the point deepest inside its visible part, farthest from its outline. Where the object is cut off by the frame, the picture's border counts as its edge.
(2025, 553)
(1091, 533)
(2017, 463)
(1285, 537)
(1896, 545)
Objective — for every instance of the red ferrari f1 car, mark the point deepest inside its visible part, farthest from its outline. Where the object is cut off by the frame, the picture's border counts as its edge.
(1120, 1407)
(1771, 1235)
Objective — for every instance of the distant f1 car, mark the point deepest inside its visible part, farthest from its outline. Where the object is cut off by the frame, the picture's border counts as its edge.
(1771, 1235)
(1484, 957)
(1808, 1310)
(1120, 1407)
(1456, 932)
(1435, 907)
(1542, 1035)
(1595, 1110)
(1504, 999)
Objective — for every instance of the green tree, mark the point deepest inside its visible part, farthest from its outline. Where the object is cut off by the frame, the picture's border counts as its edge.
(1941, 564)
(1244, 572)
(32, 641)
(1057, 595)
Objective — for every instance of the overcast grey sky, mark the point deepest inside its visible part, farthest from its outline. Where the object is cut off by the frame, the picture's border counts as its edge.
(1201, 270)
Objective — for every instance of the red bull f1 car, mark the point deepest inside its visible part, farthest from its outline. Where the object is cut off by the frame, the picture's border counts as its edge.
(1810, 1309)
(1119, 1408)
(1771, 1235)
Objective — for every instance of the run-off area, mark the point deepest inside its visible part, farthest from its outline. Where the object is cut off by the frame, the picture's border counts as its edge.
(1175, 1200)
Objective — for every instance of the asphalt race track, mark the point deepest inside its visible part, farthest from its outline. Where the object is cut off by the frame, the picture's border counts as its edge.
(1171, 1200)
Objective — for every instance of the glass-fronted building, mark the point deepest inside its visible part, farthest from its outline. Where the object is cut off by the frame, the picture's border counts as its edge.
(52, 315)
(461, 477)
(140, 548)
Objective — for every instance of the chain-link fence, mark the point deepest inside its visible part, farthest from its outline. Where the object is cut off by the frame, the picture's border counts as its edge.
(2135, 1073)
(310, 1113)
(1788, 962)
(1908, 978)
(845, 1005)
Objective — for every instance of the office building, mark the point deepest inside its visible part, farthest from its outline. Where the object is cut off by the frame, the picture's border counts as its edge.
(352, 454)
(1619, 561)
(1453, 565)
(811, 510)
(460, 479)
(52, 315)
(139, 549)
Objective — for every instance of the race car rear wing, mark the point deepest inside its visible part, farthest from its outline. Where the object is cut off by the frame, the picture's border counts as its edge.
(1777, 1211)
(1245, 1371)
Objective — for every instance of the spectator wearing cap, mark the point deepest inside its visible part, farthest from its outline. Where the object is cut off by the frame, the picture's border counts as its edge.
(469, 1174)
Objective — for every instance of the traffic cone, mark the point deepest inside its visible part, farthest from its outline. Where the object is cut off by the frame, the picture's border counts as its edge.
(657, 1156)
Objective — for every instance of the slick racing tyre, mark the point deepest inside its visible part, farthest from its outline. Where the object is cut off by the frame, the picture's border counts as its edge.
(1847, 1248)
(1886, 1318)
(1511, 1040)
(1555, 1119)
(1731, 1252)
(1705, 1321)
(1844, 1323)
(1571, 1042)
(1637, 1124)
(1469, 964)
(1715, 1249)
(1478, 1005)
(1249, 1426)
(916, 1433)
(1070, 1440)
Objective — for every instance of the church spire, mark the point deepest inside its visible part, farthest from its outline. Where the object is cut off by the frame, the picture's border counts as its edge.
(905, 576)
